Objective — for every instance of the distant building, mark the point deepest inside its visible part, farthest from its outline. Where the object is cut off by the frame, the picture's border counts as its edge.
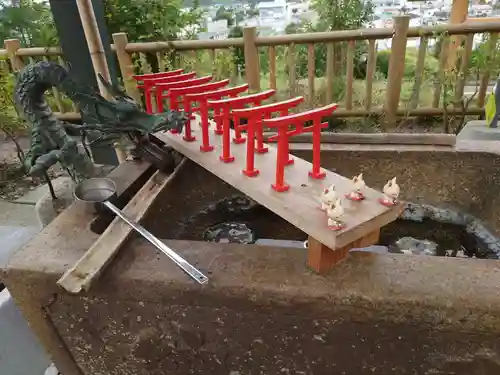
(215, 30)
(218, 26)
(205, 35)
(272, 9)
(274, 14)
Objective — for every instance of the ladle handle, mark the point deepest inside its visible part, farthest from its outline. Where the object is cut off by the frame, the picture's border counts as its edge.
(176, 258)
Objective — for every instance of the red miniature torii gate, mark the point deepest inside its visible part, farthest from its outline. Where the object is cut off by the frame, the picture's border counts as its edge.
(254, 127)
(202, 99)
(141, 77)
(162, 89)
(223, 107)
(282, 123)
(177, 92)
(146, 82)
(209, 95)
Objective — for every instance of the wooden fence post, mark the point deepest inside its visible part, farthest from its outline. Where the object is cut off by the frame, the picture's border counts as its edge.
(12, 45)
(396, 69)
(252, 67)
(458, 14)
(126, 65)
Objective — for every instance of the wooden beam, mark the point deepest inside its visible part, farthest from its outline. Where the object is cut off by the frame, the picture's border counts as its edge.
(88, 268)
(251, 53)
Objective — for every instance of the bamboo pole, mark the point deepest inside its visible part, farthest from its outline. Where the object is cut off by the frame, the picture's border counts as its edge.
(96, 49)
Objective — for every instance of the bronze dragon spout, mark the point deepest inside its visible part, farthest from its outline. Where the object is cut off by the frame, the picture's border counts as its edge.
(106, 120)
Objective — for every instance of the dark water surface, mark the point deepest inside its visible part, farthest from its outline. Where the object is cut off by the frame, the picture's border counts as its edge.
(241, 220)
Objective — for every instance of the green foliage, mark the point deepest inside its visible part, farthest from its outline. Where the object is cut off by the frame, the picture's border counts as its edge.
(342, 14)
(253, 11)
(223, 65)
(225, 14)
(238, 53)
(482, 59)
(10, 122)
(239, 17)
(333, 15)
(31, 22)
(147, 20)
(7, 82)
(431, 66)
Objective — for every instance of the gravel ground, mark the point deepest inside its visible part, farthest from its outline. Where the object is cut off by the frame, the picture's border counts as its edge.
(14, 183)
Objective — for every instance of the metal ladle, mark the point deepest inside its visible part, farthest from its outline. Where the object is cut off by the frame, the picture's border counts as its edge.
(100, 190)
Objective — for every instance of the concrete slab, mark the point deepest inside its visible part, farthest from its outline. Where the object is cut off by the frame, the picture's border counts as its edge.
(478, 131)
(279, 243)
(21, 353)
(12, 238)
(12, 214)
(34, 195)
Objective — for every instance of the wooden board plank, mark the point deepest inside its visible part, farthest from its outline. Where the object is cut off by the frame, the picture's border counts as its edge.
(88, 268)
(299, 205)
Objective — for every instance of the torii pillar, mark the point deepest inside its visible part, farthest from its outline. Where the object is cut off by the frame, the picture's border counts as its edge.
(458, 14)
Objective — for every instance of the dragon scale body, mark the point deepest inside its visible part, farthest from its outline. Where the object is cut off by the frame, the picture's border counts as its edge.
(106, 120)
(50, 143)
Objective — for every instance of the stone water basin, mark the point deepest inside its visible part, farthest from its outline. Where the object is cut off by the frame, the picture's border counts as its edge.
(263, 311)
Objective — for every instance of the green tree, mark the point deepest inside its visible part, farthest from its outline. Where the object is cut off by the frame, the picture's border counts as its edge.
(153, 20)
(239, 17)
(11, 124)
(238, 54)
(253, 11)
(29, 21)
(333, 15)
(342, 14)
(150, 20)
(225, 14)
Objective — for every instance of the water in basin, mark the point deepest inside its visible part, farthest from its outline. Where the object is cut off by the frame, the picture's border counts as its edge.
(422, 230)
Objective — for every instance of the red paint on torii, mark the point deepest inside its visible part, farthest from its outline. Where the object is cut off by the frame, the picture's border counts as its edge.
(142, 77)
(177, 92)
(282, 124)
(211, 95)
(203, 98)
(224, 107)
(162, 88)
(254, 127)
(146, 82)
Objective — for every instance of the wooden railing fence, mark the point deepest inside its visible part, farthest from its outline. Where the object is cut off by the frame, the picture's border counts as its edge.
(251, 43)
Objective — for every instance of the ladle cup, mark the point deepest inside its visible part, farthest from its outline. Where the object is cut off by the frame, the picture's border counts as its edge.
(100, 190)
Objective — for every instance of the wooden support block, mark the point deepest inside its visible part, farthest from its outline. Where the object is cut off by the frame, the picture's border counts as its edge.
(321, 258)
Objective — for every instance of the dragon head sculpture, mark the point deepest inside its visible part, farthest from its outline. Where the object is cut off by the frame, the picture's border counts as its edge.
(123, 116)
